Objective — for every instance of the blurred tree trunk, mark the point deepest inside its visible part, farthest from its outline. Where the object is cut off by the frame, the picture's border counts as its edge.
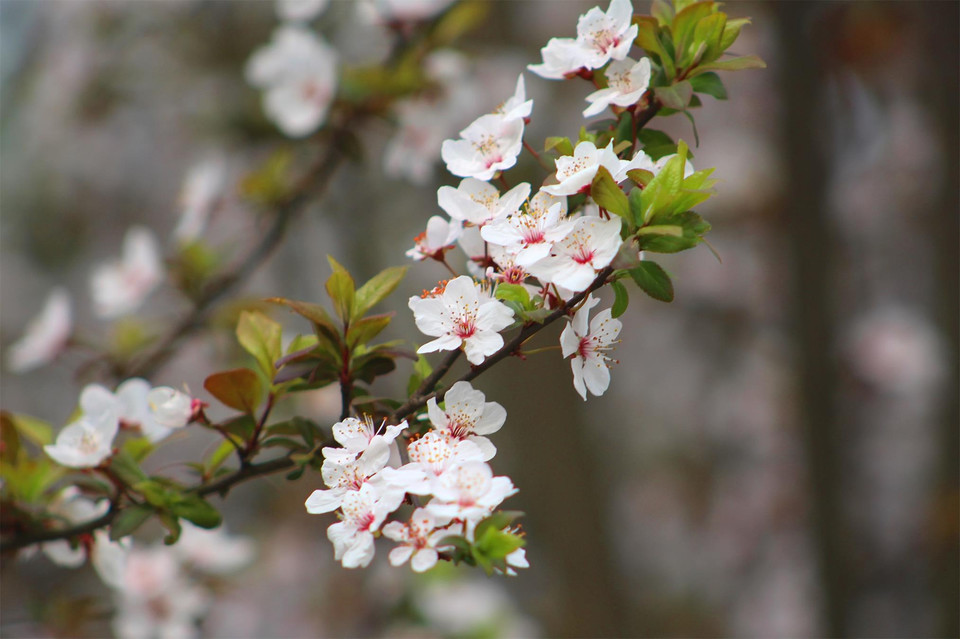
(943, 97)
(805, 216)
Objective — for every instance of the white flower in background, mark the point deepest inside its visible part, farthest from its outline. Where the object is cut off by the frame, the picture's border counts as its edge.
(576, 172)
(575, 260)
(469, 492)
(415, 148)
(156, 411)
(627, 81)
(460, 316)
(441, 234)
(477, 202)
(532, 233)
(588, 348)
(214, 551)
(155, 599)
(419, 539)
(74, 508)
(363, 512)
(561, 57)
(46, 335)
(488, 145)
(297, 71)
(403, 10)
(606, 36)
(467, 416)
(121, 287)
(517, 105)
(88, 441)
(199, 196)
(300, 10)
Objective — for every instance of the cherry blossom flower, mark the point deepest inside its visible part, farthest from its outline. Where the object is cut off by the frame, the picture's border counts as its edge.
(363, 511)
(488, 145)
(469, 492)
(562, 57)
(300, 10)
(121, 287)
(517, 105)
(575, 260)
(199, 196)
(215, 551)
(405, 10)
(606, 36)
(467, 416)
(75, 508)
(297, 70)
(88, 441)
(458, 316)
(588, 348)
(477, 202)
(46, 335)
(345, 472)
(433, 455)
(156, 411)
(415, 148)
(357, 435)
(506, 269)
(627, 81)
(533, 233)
(576, 172)
(441, 235)
(419, 539)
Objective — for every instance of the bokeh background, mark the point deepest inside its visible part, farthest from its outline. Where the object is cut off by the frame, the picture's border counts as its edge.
(777, 455)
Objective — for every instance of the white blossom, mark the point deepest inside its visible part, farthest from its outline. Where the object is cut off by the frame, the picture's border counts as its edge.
(532, 233)
(88, 441)
(199, 196)
(477, 202)
(460, 317)
(120, 287)
(404, 10)
(488, 145)
(441, 234)
(588, 347)
(156, 411)
(214, 551)
(606, 36)
(363, 511)
(561, 57)
(297, 71)
(576, 172)
(575, 260)
(300, 10)
(469, 492)
(418, 539)
(517, 105)
(433, 455)
(46, 335)
(627, 81)
(467, 416)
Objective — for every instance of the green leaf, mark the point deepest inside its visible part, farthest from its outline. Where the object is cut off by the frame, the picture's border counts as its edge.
(664, 238)
(731, 64)
(563, 145)
(129, 519)
(261, 337)
(365, 329)
(32, 429)
(662, 11)
(139, 448)
(514, 293)
(459, 19)
(624, 130)
(656, 143)
(368, 367)
(342, 291)
(653, 281)
(125, 468)
(172, 524)
(647, 31)
(421, 370)
(621, 299)
(707, 35)
(270, 184)
(377, 288)
(241, 427)
(693, 123)
(196, 510)
(239, 389)
(731, 31)
(709, 84)
(316, 315)
(215, 460)
(676, 96)
(608, 195)
(683, 28)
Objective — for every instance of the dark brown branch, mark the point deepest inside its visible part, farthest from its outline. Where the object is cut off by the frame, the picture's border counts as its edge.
(221, 486)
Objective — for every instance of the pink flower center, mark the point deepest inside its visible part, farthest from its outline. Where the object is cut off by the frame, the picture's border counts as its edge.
(365, 520)
(464, 327)
(583, 255)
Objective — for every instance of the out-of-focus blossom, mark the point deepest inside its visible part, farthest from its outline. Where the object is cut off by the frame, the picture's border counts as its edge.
(403, 10)
(575, 260)
(517, 105)
(119, 288)
(46, 335)
(896, 350)
(297, 72)
(199, 196)
(88, 441)
(588, 347)
(459, 317)
(156, 411)
(214, 552)
(477, 202)
(627, 81)
(300, 10)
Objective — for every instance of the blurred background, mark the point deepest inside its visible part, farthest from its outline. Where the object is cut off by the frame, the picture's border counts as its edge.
(778, 453)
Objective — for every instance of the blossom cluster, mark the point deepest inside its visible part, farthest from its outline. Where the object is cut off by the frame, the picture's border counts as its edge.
(447, 466)
(88, 441)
